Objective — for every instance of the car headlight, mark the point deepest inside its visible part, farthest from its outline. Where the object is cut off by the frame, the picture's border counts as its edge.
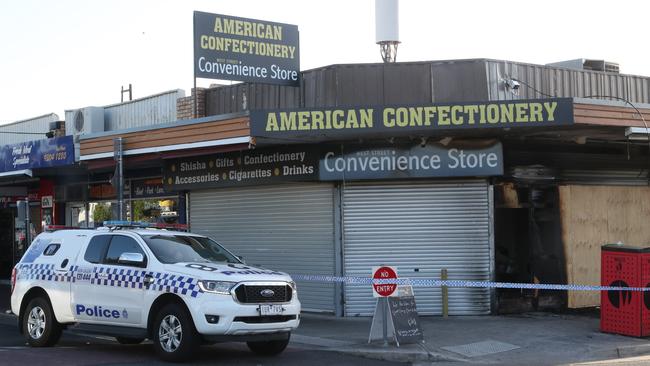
(294, 287)
(216, 287)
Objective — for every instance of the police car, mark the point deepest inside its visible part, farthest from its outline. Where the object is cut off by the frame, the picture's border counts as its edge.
(176, 288)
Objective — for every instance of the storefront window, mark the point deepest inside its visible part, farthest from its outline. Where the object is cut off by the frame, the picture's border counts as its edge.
(155, 210)
(161, 210)
(100, 212)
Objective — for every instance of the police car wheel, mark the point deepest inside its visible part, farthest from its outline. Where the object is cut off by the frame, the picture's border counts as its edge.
(129, 340)
(174, 335)
(39, 325)
(269, 348)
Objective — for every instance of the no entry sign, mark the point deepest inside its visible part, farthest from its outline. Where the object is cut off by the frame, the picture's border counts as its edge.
(384, 289)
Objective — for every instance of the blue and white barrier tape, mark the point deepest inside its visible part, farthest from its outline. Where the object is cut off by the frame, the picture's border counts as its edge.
(432, 282)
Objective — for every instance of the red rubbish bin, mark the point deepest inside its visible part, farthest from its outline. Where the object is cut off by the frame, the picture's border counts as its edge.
(625, 312)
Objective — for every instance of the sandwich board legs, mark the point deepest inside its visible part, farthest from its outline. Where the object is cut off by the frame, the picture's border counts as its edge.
(382, 325)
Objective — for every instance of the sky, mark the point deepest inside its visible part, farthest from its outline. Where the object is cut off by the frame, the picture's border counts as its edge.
(66, 54)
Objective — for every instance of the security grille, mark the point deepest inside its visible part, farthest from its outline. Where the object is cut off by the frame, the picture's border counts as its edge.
(420, 227)
(287, 227)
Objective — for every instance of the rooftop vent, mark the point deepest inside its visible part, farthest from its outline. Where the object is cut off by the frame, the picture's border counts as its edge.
(587, 64)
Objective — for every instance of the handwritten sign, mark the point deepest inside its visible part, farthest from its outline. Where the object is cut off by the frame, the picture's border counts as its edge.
(405, 319)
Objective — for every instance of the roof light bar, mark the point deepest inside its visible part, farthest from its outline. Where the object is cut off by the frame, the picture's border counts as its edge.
(144, 225)
(50, 228)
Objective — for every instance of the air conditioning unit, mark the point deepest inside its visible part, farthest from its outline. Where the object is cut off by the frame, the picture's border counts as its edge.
(588, 64)
(87, 120)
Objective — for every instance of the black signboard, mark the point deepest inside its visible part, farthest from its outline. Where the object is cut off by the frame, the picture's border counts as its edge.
(331, 163)
(419, 161)
(242, 168)
(232, 48)
(356, 122)
(405, 319)
(147, 188)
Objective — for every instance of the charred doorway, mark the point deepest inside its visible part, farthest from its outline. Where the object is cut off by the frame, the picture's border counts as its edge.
(528, 246)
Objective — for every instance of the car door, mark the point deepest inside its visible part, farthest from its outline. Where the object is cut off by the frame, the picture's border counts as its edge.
(107, 291)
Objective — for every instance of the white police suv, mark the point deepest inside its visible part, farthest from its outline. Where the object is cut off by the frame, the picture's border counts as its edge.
(175, 288)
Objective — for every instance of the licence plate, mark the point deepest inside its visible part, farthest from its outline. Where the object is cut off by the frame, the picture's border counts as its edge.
(270, 310)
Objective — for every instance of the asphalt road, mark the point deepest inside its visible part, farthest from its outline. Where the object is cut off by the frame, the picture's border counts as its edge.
(76, 349)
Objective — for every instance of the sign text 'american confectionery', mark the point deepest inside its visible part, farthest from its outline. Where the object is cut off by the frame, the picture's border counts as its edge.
(357, 121)
(232, 48)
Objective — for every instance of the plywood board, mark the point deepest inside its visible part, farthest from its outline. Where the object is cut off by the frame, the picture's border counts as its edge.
(592, 216)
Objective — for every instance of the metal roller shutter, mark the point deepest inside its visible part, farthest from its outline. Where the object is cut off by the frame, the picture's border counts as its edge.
(424, 226)
(288, 228)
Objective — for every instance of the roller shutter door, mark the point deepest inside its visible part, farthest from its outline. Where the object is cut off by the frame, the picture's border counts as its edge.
(288, 228)
(420, 227)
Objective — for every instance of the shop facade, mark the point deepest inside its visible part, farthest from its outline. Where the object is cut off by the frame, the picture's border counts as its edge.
(318, 210)
(293, 185)
(30, 173)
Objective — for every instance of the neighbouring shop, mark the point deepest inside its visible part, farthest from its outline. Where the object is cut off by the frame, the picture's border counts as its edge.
(27, 174)
(146, 201)
(266, 206)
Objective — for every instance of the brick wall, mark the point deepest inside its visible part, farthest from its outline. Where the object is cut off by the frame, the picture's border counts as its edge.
(185, 106)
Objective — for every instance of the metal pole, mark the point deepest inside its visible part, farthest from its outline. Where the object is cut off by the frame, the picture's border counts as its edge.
(196, 105)
(121, 190)
(28, 232)
(445, 294)
(119, 171)
(384, 316)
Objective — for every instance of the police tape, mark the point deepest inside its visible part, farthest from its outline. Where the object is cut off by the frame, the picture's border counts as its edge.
(432, 282)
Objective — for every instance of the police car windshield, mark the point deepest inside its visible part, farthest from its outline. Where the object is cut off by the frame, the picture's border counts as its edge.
(171, 249)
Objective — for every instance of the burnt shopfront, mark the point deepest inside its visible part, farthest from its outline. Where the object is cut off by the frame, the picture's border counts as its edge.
(417, 193)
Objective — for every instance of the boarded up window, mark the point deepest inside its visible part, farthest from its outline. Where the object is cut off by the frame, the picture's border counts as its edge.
(597, 215)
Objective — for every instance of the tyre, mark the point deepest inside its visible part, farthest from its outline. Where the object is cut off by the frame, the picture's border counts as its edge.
(129, 340)
(269, 348)
(39, 325)
(174, 335)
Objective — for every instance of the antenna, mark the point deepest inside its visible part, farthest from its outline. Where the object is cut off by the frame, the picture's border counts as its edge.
(129, 90)
(387, 28)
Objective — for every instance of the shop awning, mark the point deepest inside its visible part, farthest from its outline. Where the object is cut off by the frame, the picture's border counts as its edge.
(17, 173)
(201, 133)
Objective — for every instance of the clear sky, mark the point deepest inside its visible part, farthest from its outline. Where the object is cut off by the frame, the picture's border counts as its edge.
(66, 54)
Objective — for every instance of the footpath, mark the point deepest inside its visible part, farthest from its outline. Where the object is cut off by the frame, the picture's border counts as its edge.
(531, 339)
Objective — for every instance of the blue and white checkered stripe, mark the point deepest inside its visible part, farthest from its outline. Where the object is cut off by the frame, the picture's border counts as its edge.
(118, 277)
(43, 272)
(182, 285)
(114, 277)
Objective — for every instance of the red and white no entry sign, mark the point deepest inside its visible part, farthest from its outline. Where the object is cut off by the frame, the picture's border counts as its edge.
(384, 289)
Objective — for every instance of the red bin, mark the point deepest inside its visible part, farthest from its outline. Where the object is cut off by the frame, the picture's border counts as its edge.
(621, 311)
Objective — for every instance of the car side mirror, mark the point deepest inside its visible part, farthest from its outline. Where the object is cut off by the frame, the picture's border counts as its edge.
(131, 259)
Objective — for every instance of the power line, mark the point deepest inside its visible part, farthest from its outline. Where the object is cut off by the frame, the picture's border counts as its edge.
(645, 124)
(532, 88)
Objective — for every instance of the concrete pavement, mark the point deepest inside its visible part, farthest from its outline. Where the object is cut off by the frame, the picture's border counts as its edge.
(532, 338)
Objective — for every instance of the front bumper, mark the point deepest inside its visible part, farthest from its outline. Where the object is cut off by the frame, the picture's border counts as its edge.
(237, 319)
